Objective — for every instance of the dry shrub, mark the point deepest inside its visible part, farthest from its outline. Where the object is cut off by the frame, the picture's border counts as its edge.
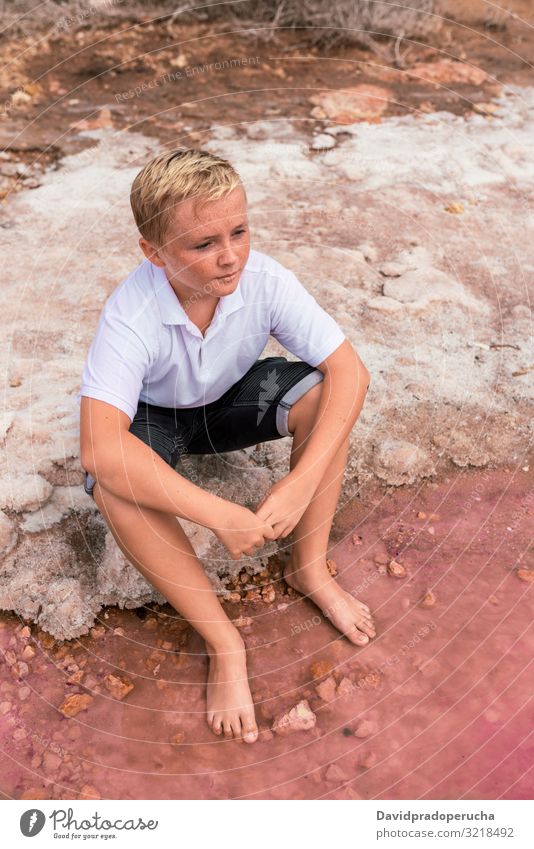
(342, 21)
(324, 22)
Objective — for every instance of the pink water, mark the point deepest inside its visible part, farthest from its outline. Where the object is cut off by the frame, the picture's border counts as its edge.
(448, 687)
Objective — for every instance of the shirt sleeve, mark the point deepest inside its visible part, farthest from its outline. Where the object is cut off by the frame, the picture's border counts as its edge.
(300, 324)
(116, 365)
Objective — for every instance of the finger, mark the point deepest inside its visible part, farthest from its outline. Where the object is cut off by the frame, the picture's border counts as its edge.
(268, 532)
(263, 512)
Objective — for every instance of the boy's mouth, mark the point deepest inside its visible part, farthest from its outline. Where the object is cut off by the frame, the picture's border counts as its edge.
(228, 278)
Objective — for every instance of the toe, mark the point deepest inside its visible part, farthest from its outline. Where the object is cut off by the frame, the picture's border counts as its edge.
(217, 726)
(368, 628)
(227, 728)
(250, 731)
(236, 728)
(356, 636)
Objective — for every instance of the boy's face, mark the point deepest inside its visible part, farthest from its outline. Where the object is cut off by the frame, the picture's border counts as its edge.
(206, 247)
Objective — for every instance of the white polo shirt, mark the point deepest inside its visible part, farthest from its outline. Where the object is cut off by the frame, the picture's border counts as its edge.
(146, 348)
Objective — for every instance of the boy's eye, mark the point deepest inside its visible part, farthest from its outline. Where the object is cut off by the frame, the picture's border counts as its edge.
(206, 244)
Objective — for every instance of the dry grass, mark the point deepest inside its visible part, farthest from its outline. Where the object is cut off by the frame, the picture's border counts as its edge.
(325, 22)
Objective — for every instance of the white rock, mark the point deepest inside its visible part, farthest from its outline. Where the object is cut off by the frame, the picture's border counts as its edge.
(392, 269)
(420, 287)
(323, 142)
(399, 462)
(8, 535)
(299, 718)
(24, 492)
(385, 304)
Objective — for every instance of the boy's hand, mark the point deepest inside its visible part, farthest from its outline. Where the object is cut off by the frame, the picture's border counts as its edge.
(240, 530)
(284, 504)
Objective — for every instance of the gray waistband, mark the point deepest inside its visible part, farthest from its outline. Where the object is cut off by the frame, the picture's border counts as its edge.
(291, 397)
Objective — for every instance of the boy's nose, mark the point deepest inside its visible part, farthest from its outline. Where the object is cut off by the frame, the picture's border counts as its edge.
(227, 256)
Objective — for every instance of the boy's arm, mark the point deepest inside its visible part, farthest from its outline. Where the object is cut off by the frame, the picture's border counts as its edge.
(345, 384)
(127, 467)
(344, 387)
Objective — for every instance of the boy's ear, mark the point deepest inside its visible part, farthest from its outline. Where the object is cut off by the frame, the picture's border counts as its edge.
(150, 252)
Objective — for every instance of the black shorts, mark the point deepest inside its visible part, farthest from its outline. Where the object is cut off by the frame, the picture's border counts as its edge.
(253, 410)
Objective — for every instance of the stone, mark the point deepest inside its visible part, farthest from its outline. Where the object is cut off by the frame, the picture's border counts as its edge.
(454, 208)
(22, 669)
(20, 734)
(75, 703)
(268, 594)
(421, 287)
(335, 774)
(366, 728)
(233, 597)
(332, 567)
(252, 596)
(392, 269)
(429, 599)
(526, 575)
(177, 738)
(24, 492)
(118, 686)
(365, 102)
(265, 735)
(383, 304)
(396, 570)
(327, 689)
(382, 558)
(367, 760)
(444, 71)
(299, 718)
(28, 653)
(76, 677)
(243, 621)
(323, 142)
(51, 762)
(399, 462)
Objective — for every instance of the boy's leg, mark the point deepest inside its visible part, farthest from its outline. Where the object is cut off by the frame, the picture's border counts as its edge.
(156, 544)
(307, 571)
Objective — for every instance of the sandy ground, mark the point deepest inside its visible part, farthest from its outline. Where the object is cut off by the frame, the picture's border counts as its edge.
(404, 205)
(436, 707)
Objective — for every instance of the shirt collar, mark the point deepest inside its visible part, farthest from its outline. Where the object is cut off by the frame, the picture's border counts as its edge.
(172, 312)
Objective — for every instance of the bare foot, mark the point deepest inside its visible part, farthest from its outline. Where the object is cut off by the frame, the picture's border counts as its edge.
(229, 702)
(349, 615)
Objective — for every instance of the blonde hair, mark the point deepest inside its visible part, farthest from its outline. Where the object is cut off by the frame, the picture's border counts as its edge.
(172, 177)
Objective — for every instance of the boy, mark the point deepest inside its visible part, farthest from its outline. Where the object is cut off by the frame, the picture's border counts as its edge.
(174, 368)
